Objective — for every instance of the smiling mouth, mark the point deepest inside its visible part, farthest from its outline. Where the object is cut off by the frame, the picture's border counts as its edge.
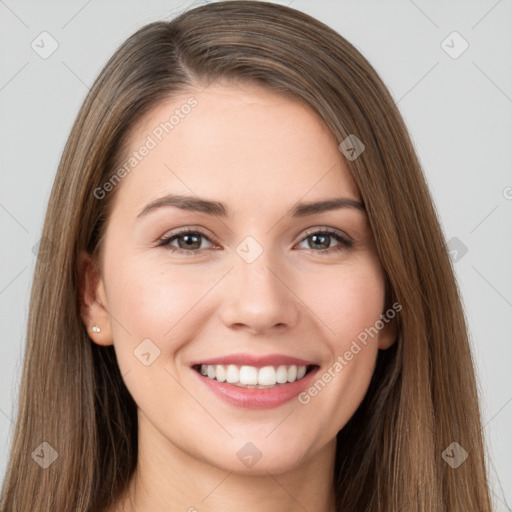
(254, 377)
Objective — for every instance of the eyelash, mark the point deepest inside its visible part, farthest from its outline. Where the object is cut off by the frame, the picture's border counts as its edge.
(344, 243)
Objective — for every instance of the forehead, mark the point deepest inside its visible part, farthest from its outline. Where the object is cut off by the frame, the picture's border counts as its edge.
(239, 144)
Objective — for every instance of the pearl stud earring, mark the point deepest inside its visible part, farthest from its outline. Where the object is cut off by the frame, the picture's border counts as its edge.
(95, 328)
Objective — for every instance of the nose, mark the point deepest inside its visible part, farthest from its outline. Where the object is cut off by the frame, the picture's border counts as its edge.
(259, 298)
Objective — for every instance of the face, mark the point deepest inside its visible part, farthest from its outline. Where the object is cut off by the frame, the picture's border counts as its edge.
(239, 278)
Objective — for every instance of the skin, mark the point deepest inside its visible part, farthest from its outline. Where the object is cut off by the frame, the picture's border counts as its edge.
(260, 154)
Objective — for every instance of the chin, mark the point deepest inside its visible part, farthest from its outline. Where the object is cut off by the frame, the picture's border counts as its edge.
(256, 455)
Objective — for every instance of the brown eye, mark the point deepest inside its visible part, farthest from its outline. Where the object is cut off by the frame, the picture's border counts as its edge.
(187, 241)
(320, 241)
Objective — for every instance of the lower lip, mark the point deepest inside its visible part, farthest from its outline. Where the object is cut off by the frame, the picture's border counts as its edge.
(253, 398)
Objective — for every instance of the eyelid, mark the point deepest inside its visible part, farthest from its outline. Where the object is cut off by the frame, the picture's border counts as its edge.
(200, 230)
(325, 229)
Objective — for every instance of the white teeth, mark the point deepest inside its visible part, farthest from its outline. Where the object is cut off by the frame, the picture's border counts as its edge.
(220, 372)
(232, 374)
(292, 374)
(250, 376)
(267, 376)
(282, 375)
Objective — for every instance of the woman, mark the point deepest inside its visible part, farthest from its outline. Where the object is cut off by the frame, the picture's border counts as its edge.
(250, 303)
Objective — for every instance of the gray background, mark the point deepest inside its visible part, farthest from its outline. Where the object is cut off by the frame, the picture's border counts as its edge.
(457, 109)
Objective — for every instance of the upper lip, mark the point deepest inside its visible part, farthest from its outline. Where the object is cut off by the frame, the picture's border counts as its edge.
(254, 360)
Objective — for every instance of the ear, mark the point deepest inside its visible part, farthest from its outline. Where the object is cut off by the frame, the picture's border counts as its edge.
(93, 301)
(388, 334)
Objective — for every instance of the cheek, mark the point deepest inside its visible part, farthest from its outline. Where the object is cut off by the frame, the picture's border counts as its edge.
(159, 301)
(346, 299)
(153, 310)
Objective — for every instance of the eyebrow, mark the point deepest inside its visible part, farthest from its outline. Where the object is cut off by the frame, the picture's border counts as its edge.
(219, 209)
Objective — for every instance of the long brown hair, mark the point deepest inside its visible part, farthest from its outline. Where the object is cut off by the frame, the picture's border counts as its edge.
(423, 395)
